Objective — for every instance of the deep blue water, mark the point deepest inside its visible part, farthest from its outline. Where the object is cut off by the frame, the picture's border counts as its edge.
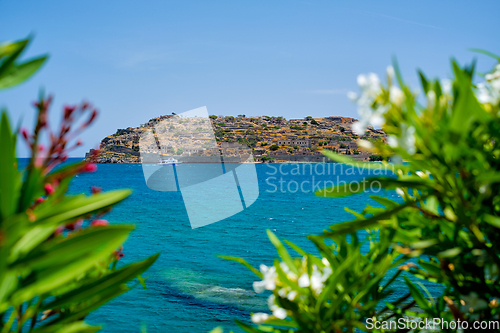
(189, 288)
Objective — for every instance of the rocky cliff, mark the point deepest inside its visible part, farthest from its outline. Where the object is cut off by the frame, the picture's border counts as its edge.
(268, 137)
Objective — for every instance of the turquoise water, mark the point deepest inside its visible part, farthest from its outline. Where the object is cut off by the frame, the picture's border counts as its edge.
(189, 288)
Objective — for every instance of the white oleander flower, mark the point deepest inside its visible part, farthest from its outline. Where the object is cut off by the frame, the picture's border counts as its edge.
(473, 302)
(493, 75)
(317, 279)
(291, 295)
(484, 94)
(291, 275)
(400, 192)
(396, 96)
(287, 292)
(304, 281)
(390, 72)
(369, 84)
(489, 91)
(278, 312)
(446, 86)
(405, 141)
(431, 100)
(270, 302)
(259, 317)
(268, 280)
(369, 116)
(317, 282)
(422, 174)
(370, 88)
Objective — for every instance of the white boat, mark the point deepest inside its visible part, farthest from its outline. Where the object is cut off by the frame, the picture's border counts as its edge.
(169, 161)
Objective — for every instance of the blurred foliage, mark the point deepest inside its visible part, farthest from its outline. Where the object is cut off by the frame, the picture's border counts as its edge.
(58, 257)
(444, 149)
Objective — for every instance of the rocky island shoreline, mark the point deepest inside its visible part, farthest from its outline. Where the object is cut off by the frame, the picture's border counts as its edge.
(268, 138)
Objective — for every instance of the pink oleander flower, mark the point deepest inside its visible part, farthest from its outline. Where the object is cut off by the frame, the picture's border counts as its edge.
(89, 168)
(99, 223)
(49, 189)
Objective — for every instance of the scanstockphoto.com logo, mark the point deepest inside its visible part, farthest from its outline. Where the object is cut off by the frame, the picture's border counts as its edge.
(180, 153)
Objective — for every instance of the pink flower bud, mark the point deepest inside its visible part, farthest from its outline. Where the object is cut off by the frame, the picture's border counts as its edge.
(96, 189)
(39, 200)
(24, 132)
(119, 253)
(89, 168)
(97, 223)
(49, 189)
(68, 110)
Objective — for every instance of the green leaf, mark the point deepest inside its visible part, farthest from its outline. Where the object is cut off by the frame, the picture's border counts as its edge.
(76, 327)
(432, 268)
(489, 54)
(16, 50)
(352, 226)
(450, 253)
(492, 220)
(80, 205)
(247, 328)
(9, 176)
(417, 295)
(357, 187)
(63, 250)
(388, 203)
(244, 263)
(423, 81)
(7, 49)
(60, 261)
(105, 283)
(296, 248)
(343, 190)
(424, 243)
(218, 329)
(91, 305)
(283, 253)
(360, 165)
(19, 73)
(466, 106)
(31, 239)
(31, 189)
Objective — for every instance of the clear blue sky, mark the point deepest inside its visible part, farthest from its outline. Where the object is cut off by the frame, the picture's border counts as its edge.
(139, 59)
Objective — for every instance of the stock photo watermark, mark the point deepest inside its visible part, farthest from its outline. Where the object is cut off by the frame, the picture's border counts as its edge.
(329, 177)
(438, 324)
(180, 154)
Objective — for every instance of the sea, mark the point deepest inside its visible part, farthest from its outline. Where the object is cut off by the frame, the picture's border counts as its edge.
(189, 288)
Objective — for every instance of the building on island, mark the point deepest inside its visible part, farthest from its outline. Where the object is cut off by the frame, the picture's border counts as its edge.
(291, 143)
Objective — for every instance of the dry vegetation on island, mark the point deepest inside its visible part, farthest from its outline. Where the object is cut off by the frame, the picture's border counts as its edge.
(270, 138)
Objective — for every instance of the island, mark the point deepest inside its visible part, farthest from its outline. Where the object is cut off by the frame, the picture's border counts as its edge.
(269, 138)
